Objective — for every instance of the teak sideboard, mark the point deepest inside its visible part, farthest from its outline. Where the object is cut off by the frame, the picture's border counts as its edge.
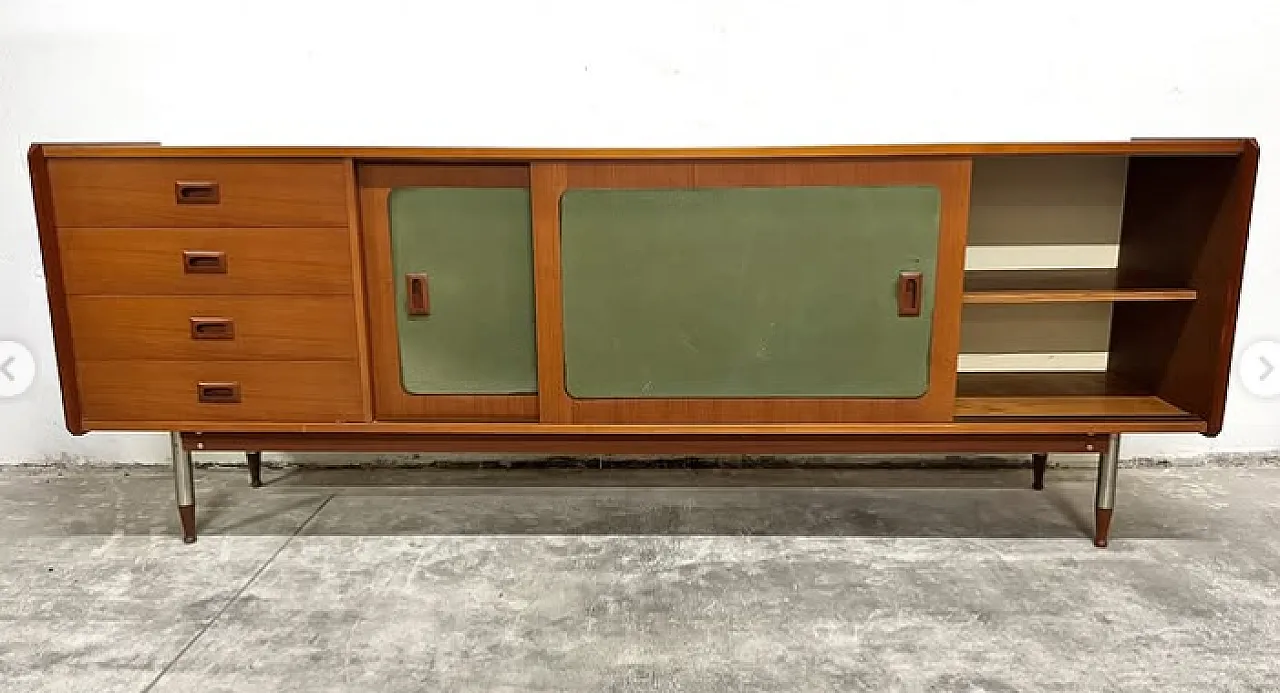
(960, 298)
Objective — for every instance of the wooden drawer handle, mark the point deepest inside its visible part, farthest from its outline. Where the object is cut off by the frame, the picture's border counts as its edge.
(910, 292)
(218, 393)
(201, 192)
(213, 328)
(204, 262)
(419, 298)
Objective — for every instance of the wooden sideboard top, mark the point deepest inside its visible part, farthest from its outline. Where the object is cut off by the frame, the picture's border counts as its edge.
(1148, 147)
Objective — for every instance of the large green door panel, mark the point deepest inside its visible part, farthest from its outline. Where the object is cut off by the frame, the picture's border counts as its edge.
(747, 292)
(475, 245)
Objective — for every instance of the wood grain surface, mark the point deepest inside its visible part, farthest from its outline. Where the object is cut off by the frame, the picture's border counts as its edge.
(141, 192)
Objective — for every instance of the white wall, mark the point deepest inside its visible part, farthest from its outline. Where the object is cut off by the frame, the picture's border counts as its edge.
(653, 73)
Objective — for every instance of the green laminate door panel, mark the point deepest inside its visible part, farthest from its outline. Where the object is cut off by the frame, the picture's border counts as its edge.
(475, 245)
(746, 292)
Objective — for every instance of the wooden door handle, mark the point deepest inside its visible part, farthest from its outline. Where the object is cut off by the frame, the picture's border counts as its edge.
(213, 328)
(910, 293)
(193, 192)
(218, 393)
(419, 299)
(204, 262)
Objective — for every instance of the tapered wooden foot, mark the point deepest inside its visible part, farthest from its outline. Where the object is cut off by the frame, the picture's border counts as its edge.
(187, 515)
(255, 468)
(1101, 527)
(1039, 461)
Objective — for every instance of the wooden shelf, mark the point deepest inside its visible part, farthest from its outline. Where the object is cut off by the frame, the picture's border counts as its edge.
(1061, 286)
(1044, 383)
(1029, 395)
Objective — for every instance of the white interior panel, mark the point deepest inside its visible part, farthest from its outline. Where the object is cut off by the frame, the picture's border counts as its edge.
(1042, 213)
(1067, 361)
(1018, 257)
(1060, 200)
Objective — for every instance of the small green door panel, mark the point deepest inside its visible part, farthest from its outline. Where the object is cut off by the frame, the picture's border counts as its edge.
(747, 292)
(475, 246)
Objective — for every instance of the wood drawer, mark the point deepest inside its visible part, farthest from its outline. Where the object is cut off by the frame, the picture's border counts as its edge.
(164, 393)
(257, 261)
(198, 192)
(194, 328)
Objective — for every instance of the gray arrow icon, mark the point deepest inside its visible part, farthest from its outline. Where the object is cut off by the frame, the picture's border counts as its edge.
(1258, 366)
(18, 369)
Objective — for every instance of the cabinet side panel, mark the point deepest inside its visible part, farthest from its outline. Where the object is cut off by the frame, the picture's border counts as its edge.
(60, 316)
(1186, 220)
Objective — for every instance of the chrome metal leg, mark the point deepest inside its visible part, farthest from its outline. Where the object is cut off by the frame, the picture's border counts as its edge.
(185, 488)
(1105, 498)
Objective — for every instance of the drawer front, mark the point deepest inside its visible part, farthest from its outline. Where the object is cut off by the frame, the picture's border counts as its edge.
(197, 193)
(195, 328)
(206, 261)
(170, 393)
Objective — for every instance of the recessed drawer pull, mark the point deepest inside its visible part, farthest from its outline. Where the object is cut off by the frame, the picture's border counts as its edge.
(218, 393)
(204, 262)
(213, 328)
(419, 298)
(910, 287)
(197, 192)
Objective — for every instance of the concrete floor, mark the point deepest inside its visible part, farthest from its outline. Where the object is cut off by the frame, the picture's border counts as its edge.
(672, 580)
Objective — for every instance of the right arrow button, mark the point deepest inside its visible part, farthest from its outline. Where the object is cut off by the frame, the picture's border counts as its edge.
(1257, 369)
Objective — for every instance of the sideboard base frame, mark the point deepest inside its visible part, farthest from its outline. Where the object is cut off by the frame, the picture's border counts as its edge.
(1106, 445)
(649, 443)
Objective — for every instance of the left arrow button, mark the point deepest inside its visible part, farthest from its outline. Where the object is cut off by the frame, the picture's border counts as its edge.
(17, 369)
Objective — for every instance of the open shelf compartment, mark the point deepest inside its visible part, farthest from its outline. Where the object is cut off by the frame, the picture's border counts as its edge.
(1054, 286)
